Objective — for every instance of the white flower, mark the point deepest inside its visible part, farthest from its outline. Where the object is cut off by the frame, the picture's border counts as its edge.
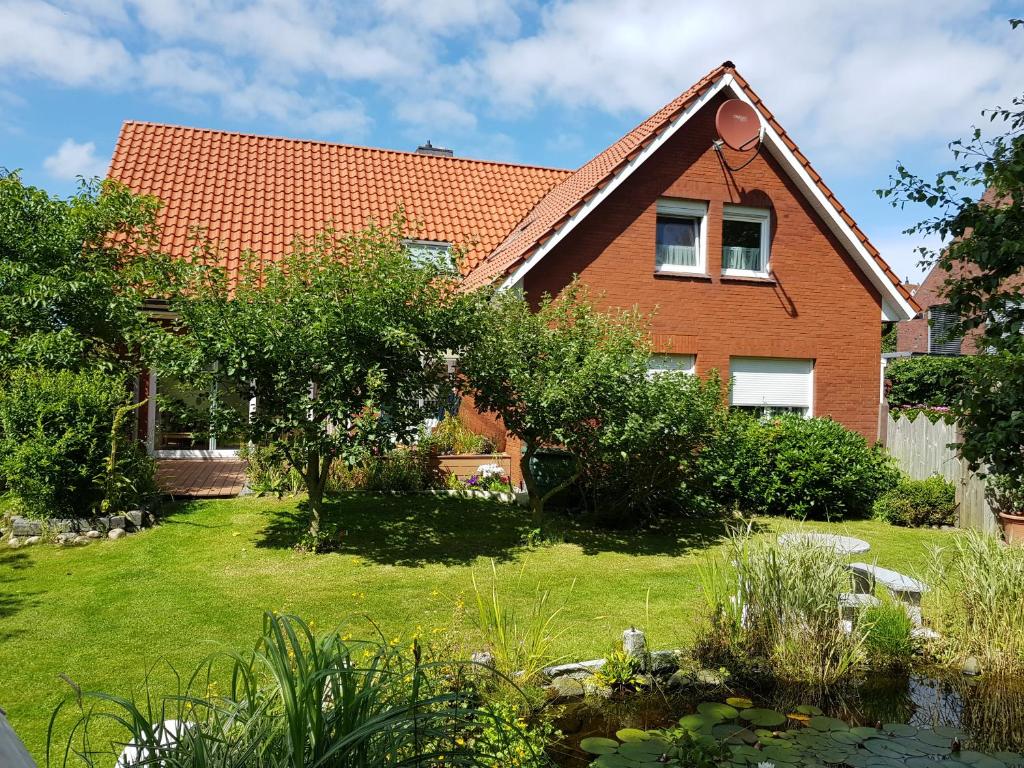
(487, 471)
(766, 764)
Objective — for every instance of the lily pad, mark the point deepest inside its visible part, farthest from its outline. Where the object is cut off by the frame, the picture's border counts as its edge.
(767, 718)
(809, 709)
(642, 750)
(698, 721)
(924, 762)
(1010, 758)
(715, 709)
(864, 731)
(950, 733)
(739, 702)
(834, 757)
(632, 734)
(599, 745)
(614, 760)
(899, 729)
(881, 748)
(822, 723)
(846, 737)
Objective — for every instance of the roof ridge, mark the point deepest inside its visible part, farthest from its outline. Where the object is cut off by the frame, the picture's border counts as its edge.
(322, 142)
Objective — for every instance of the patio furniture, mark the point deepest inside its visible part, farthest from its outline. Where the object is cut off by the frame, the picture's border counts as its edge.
(904, 588)
(843, 545)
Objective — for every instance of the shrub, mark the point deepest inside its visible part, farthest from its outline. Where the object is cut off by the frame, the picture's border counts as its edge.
(888, 634)
(403, 470)
(648, 461)
(268, 471)
(808, 468)
(918, 502)
(55, 444)
(451, 435)
(927, 380)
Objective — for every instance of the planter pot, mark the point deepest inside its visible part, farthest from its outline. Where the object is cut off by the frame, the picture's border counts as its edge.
(1013, 527)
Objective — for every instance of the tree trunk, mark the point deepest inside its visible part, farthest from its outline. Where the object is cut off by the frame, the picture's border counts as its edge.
(536, 500)
(315, 487)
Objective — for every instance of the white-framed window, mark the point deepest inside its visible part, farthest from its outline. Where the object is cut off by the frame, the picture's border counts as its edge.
(768, 386)
(680, 245)
(746, 233)
(430, 251)
(671, 363)
(941, 321)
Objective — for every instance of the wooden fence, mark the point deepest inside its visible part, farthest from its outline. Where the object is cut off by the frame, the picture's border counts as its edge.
(922, 449)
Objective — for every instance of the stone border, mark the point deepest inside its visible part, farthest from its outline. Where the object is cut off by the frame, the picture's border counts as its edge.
(26, 531)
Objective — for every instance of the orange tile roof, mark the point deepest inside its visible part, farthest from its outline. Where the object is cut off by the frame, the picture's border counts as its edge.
(565, 199)
(258, 192)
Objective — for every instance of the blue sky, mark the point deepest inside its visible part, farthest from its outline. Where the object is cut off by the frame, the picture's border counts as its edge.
(859, 85)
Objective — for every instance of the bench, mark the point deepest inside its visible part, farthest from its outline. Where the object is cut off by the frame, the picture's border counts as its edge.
(904, 588)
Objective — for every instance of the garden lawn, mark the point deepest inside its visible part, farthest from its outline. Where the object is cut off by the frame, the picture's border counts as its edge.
(106, 613)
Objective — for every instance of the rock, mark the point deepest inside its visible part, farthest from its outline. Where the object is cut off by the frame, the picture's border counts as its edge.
(134, 519)
(93, 534)
(483, 658)
(102, 524)
(634, 642)
(118, 521)
(972, 667)
(664, 662)
(14, 542)
(565, 687)
(22, 526)
(116, 533)
(80, 540)
(33, 540)
(710, 677)
(680, 679)
(66, 539)
(593, 689)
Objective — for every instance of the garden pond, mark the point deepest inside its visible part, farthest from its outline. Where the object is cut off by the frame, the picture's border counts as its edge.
(893, 720)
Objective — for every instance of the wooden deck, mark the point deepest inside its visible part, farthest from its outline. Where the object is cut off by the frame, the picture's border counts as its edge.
(207, 478)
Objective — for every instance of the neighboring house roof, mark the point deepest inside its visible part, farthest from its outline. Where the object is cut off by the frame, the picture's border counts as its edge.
(258, 192)
(569, 202)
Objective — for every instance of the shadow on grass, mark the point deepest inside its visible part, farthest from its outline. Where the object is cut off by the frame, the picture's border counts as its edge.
(11, 602)
(421, 530)
(183, 512)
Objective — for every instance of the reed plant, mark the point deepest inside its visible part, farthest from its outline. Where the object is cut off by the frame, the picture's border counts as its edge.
(521, 642)
(779, 605)
(888, 634)
(297, 700)
(977, 602)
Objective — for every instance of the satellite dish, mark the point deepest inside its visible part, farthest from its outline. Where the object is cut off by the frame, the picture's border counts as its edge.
(738, 125)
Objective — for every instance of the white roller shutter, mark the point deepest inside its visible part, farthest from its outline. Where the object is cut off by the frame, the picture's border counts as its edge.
(771, 381)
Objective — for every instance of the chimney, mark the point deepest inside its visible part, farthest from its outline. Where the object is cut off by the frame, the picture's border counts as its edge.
(430, 149)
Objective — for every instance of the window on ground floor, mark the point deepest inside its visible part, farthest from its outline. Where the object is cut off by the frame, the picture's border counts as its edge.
(768, 386)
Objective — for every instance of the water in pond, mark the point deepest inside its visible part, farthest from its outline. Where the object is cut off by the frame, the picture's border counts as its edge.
(989, 710)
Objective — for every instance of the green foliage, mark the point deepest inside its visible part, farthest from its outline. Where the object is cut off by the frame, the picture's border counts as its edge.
(403, 470)
(521, 747)
(889, 337)
(676, 746)
(928, 379)
(521, 642)
(66, 269)
(451, 435)
(555, 376)
(918, 502)
(933, 413)
(298, 699)
(982, 258)
(1005, 495)
(977, 602)
(55, 442)
(646, 459)
(777, 603)
(887, 631)
(621, 670)
(345, 330)
(807, 468)
(268, 471)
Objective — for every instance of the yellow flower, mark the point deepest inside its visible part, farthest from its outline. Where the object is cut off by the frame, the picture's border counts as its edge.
(460, 741)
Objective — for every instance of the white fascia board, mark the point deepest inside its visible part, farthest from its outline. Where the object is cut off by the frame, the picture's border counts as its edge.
(894, 306)
(624, 173)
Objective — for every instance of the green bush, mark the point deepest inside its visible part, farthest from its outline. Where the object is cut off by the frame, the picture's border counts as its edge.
(918, 502)
(806, 468)
(403, 470)
(927, 380)
(268, 471)
(888, 634)
(55, 442)
(451, 435)
(648, 461)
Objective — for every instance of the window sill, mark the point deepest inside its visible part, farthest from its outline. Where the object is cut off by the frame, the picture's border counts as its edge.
(667, 273)
(763, 279)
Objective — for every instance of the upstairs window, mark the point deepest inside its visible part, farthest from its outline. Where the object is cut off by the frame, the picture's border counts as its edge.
(680, 237)
(745, 235)
(941, 322)
(431, 252)
(670, 363)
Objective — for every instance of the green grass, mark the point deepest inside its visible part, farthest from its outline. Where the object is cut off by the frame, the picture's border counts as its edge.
(106, 613)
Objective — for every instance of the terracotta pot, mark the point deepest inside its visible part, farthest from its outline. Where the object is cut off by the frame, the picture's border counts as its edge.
(1013, 527)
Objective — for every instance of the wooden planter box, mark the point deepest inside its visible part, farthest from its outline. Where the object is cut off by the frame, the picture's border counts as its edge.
(465, 465)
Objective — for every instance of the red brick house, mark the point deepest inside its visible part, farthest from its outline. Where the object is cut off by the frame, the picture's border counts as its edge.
(747, 259)
(927, 332)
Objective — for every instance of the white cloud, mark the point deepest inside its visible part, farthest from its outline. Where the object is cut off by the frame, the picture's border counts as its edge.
(72, 160)
(182, 70)
(440, 116)
(43, 41)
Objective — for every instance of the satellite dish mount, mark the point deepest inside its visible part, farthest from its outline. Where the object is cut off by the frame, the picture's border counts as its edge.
(739, 127)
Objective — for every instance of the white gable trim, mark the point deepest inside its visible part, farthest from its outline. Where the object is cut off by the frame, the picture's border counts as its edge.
(894, 306)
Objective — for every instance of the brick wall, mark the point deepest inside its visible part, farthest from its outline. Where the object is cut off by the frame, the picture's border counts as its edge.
(818, 306)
